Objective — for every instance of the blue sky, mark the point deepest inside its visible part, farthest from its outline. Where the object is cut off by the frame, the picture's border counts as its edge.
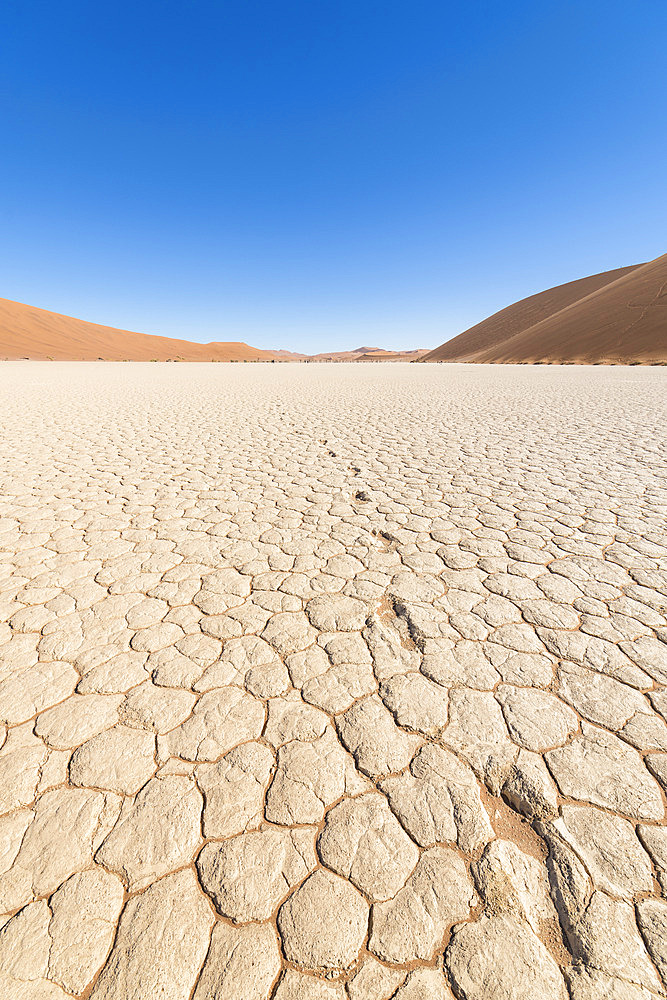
(321, 174)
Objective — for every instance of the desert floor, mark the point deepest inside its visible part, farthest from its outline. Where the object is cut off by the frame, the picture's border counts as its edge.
(329, 682)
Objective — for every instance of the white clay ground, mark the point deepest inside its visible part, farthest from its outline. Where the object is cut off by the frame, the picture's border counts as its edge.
(332, 682)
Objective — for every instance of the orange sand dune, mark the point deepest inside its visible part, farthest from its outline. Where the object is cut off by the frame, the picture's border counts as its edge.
(370, 354)
(617, 317)
(379, 355)
(26, 332)
(37, 334)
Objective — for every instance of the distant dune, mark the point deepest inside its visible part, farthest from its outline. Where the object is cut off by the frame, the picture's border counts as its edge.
(37, 334)
(26, 332)
(617, 317)
(370, 354)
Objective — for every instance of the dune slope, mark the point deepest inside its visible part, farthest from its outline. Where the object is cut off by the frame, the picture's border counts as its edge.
(27, 332)
(39, 335)
(618, 316)
(371, 354)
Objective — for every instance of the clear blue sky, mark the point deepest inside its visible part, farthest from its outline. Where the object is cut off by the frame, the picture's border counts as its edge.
(324, 173)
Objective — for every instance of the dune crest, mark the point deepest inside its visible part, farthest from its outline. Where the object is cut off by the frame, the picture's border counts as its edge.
(40, 335)
(616, 317)
(37, 334)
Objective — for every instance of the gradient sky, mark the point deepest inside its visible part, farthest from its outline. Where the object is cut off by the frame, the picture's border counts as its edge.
(321, 174)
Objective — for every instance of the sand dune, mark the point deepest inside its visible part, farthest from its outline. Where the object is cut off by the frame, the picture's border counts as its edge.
(377, 354)
(40, 335)
(27, 332)
(370, 354)
(618, 317)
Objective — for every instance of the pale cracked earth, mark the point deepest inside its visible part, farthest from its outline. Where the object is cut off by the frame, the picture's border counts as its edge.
(332, 682)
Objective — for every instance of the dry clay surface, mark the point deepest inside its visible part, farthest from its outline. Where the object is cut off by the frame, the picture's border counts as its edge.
(332, 683)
